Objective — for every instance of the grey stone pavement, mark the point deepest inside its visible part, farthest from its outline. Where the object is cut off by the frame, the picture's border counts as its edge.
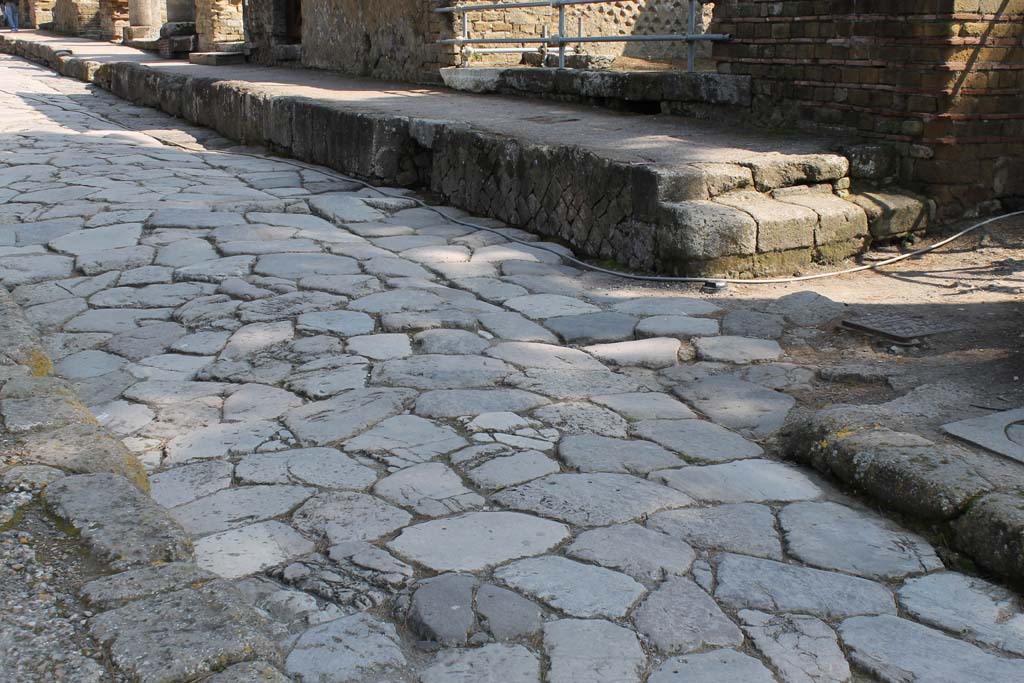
(427, 453)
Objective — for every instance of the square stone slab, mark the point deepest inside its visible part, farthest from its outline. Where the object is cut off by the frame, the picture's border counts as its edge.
(1001, 432)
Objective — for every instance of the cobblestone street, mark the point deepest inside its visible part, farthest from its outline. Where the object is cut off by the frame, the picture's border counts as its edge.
(408, 449)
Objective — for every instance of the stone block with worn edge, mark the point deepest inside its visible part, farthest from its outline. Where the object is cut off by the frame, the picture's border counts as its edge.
(183, 635)
(108, 592)
(121, 525)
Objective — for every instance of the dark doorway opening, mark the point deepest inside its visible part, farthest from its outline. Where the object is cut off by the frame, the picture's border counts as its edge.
(293, 21)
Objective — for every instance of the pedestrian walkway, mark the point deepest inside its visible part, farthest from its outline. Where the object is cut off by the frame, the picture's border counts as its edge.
(428, 453)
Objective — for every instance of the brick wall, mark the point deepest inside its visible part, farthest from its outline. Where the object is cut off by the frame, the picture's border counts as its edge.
(35, 12)
(942, 80)
(218, 21)
(77, 17)
(113, 18)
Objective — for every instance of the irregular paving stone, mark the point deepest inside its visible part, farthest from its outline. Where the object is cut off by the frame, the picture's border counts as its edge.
(405, 440)
(896, 650)
(348, 650)
(255, 337)
(217, 441)
(712, 667)
(321, 467)
(676, 326)
(430, 489)
(968, 606)
(296, 266)
(806, 308)
(347, 516)
(234, 507)
(108, 592)
(697, 439)
(593, 328)
(442, 609)
(591, 499)
(736, 349)
(343, 416)
(477, 540)
(88, 364)
(540, 306)
(288, 305)
(592, 453)
(341, 581)
(515, 327)
(450, 342)
(592, 650)
(146, 341)
(668, 305)
(380, 346)
(150, 296)
(803, 649)
(248, 672)
(428, 320)
(744, 323)
(27, 268)
(123, 418)
(579, 590)
(543, 356)
(506, 614)
(745, 481)
(779, 376)
(397, 300)
(250, 549)
(646, 555)
(182, 635)
(499, 473)
(447, 403)
(657, 352)
(329, 376)
(184, 484)
(113, 321)
(744, 528)
(569, 384)
(430, 371)
(493, 663)
(343, 323)
(680, 617)
(645, 406)
(121, 525)
(746, 408)
(581, 418)
(833, 536)
(215, 270)
(258, 402)
(751, 583)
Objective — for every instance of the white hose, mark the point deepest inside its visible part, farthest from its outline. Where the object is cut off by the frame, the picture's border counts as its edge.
(573, 259)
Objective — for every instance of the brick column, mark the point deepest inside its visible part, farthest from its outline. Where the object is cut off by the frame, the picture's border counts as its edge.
(218, 21)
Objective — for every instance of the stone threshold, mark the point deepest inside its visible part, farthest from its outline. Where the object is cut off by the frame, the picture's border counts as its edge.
(664, 194)
(90, 480)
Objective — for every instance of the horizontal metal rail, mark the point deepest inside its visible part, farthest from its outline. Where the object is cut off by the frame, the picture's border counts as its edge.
(561, 39)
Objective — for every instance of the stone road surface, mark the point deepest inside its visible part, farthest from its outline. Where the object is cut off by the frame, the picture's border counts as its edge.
(430, 454)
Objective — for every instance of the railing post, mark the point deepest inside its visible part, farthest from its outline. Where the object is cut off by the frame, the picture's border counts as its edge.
(465, 36)
(691, 30)
(561, 35)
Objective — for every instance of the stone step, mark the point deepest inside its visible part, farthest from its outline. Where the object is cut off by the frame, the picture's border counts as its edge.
(216, 58)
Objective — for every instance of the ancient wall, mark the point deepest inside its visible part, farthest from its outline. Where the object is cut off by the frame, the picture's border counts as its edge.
(77, 17)
(943, 80)
(32, 13)
(217, 22)
(391, 39)
(622, 18)
(113, 18)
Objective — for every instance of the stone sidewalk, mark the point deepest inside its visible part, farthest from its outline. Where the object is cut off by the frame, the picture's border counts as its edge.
(408, 449)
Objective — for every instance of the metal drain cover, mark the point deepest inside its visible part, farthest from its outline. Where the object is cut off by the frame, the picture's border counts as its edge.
(898, 327)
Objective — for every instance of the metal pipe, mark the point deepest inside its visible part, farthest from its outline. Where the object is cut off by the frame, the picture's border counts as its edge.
(561, 36)
(691, 28)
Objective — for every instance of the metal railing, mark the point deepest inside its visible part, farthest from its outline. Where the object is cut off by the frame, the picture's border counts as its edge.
(563, 41)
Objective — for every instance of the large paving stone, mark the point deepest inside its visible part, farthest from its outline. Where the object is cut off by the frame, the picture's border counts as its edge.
(744, 481)
(250, 549)
(321, 467)
(233, 507)
(396, 300)
(250, 339)
(716, 666)
(744, 528)
(543, 356)
(592, 650)
(441, 609)
(493, 663)
(648, 556)
(183, 635)
(833, 536)
(541, 306)
(429, 489)
(573, 384)
(697, 439)
(510, 470)
(352, 649)
(896, 650)
(747, 408)
(966, 606)
(579, 417)
(430, 371)
(448, 403)
(645, 406)
(221, 440)
(744, 323)
(344, 416)
(450, 342)
(577, 589)
(26, 269)
(477, 540)
(406, 440)
(184, 484)
(343, 323)
(146, 341)
(116, 590)
(667, 305)
(655, 353)
(515, 327)
(679, 617)
(288, 305)
(258, 402)
(590, 500)
(593, 328)
(506, 614)
(120, 524)
(806, 308)
(752, 583)
(803, 649)
(593, 453)
(728, 349)
(343, 516)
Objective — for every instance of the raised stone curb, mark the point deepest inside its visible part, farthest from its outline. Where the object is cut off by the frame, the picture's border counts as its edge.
(643, 216)
(926, 481)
